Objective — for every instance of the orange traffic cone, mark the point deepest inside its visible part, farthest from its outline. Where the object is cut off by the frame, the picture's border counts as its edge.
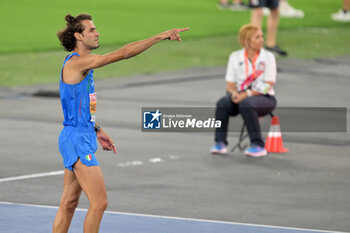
(274, 141)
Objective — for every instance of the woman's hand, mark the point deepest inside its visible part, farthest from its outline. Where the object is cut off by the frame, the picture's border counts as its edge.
(238, 97)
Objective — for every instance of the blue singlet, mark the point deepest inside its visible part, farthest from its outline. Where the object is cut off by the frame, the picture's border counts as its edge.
(78, 138)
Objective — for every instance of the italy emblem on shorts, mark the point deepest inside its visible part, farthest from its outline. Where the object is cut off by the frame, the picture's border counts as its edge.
(152, 120)
(88, 157)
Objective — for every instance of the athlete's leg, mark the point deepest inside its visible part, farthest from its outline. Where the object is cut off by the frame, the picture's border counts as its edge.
(92, 182)
(272, 27)
(346, 5)
(257, 16)
(69, 201)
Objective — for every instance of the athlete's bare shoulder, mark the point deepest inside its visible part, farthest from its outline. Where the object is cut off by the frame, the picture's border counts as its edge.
(71, 74)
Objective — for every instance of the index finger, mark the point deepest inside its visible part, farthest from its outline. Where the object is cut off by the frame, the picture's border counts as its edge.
(182, 29)
(114, 149)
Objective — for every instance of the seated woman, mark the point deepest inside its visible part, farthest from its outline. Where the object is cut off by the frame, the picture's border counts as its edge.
(250, 76)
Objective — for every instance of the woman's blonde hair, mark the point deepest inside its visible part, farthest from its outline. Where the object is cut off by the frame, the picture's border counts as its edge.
(246, 33)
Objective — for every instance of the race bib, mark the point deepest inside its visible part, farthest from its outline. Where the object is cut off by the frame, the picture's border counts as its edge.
(93, 106)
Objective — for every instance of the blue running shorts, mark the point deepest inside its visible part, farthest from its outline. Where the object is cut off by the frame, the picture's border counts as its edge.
(78, 143)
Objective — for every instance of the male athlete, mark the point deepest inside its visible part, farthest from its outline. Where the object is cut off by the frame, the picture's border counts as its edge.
(78, 139)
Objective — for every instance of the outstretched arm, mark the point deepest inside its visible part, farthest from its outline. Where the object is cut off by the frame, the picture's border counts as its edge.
(130, 50)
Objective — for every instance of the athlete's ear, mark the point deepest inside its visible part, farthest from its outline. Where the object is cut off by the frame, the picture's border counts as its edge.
(77, 36)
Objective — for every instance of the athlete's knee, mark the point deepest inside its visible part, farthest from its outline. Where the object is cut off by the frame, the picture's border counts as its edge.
(70, 204)
(104, 204)
(99, 205)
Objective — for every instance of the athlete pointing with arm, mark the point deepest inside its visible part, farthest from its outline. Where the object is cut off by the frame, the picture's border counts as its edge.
(78, 139)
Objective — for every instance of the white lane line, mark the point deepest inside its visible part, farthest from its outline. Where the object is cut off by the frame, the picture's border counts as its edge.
(54, 173)
(150, 161)
(180, 218)
(155, 160)
(131, 163)
(173, 157)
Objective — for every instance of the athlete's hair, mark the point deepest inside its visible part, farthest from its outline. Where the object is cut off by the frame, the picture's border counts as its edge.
(246, 33)
(66, 35)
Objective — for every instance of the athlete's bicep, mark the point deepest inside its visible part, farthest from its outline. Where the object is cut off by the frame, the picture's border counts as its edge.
(87, 62)
(93, 61)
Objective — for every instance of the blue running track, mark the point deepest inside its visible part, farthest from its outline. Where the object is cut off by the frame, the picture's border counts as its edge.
(20, 218)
